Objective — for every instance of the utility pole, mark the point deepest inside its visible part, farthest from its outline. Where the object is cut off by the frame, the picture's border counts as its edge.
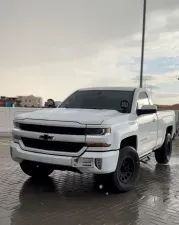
(143, 43)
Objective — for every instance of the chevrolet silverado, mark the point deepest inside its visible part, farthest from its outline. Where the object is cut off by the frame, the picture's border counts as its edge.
(102, 131)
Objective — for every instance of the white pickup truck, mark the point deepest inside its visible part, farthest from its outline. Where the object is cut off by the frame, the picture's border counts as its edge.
(102, 131)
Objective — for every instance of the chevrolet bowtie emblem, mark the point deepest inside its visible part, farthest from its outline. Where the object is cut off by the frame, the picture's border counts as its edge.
(46, 137)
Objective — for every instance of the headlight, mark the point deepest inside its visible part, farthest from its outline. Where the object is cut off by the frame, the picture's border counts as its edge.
(98, 131)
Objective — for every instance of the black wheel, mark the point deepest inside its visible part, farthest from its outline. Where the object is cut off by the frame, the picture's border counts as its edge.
(163, 154)
(127, 171)
(126, 174)
(37, 170)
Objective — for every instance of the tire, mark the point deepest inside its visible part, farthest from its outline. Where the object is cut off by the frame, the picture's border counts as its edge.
(116, 181)
(127, 172)
(36, 170)
(163, 154)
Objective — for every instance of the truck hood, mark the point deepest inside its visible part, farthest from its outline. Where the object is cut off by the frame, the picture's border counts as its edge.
(82, 116)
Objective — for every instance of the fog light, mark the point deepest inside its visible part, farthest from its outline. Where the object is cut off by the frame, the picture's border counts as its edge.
(98, 163)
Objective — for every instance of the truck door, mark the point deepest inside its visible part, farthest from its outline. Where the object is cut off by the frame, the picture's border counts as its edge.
(147, 127)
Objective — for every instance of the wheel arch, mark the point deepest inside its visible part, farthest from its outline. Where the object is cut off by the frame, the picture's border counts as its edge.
(129, 141)
(169, 130)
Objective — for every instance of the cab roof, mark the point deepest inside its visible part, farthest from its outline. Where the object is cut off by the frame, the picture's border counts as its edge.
(109, 88)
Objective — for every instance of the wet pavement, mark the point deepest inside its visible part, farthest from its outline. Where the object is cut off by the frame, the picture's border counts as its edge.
(67, 198)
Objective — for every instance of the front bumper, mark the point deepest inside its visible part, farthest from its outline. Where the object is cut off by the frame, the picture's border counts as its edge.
(108, 159)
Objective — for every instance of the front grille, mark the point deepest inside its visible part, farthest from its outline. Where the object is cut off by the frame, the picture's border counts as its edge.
(52, 129)
(52, 145)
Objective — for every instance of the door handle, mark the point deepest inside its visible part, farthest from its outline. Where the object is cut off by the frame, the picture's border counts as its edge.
(154, 120)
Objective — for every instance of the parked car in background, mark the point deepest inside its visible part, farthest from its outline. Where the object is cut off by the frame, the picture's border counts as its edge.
(50, 103)
(57, 104)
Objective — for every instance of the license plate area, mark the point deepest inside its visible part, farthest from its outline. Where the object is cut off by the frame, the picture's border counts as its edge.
(83, 162)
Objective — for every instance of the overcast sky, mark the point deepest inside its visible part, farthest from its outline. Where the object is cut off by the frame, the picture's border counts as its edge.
(50, 48)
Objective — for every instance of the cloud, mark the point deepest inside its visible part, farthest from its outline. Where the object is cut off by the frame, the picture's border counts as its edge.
(158, 65)
(63, 30)
(36, 34)
(65, 45)
(166, 95)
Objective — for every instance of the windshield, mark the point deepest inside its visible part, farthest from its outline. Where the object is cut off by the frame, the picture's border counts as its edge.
(100, 99)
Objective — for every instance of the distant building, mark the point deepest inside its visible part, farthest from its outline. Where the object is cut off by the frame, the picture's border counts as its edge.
(21, 101)
(30, 101)
(7, 101)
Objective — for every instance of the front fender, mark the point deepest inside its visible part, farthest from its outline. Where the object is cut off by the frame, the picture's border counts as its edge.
(123, 131)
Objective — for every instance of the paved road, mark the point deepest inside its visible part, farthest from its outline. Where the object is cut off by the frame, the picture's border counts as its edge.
(70, 199)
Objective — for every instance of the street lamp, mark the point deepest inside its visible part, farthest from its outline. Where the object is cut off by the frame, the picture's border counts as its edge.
(143, 43)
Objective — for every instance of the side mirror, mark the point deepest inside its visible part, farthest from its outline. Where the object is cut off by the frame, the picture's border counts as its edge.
(147, 109)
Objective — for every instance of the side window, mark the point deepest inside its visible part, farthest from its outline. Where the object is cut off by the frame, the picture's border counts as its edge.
(143, 100)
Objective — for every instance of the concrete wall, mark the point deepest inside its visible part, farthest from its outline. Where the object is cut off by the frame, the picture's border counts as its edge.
(177, 122)
(7, 115)
(6, 118)
(177, 115)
